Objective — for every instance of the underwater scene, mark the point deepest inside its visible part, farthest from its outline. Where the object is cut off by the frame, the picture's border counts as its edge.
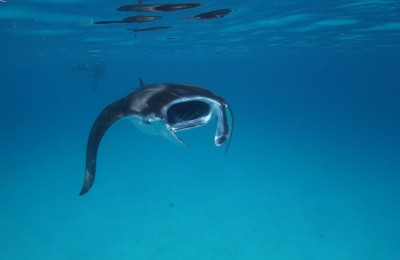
(163, 129)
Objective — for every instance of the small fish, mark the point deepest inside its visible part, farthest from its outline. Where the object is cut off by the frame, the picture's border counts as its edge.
(157, 7)
(133, 19)
(150, 28)
(217, 14)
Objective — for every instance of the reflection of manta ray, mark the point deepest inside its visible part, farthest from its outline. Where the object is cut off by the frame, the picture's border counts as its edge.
(95, 70)
(166, 108)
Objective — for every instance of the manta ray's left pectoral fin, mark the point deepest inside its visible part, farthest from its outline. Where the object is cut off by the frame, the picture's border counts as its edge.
(177, 138)
(170, 134)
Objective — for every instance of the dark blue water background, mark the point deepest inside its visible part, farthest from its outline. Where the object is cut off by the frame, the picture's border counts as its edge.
(314, 163)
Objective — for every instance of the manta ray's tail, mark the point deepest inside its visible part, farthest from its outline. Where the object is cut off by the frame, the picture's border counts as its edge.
(107, 117)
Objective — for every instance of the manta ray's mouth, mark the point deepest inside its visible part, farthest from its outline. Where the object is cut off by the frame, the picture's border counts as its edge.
(188, 114)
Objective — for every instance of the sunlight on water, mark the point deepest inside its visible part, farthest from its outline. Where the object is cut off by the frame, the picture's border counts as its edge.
(291, 24)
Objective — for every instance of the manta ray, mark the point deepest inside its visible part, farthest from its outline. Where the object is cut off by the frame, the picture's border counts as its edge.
(166, 108)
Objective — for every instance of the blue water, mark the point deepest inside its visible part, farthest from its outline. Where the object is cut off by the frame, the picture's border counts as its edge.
(313, 167)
